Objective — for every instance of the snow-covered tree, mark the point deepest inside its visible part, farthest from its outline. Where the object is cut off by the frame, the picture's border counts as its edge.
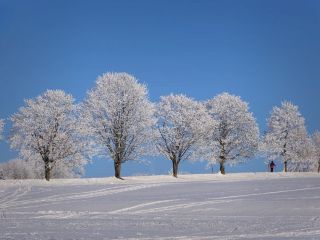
(46, 129)
(304, 159)
(119, 117)
(236, 137)
(16, 169)
(316, 142)
(285, 134)
(61, 169)
(1, 128)
(33, 169)
(181, 126)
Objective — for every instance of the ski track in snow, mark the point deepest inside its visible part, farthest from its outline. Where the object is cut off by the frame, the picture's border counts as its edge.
(238, 208)
(314, 233)
(14, 196)
(177, 207)
(14, 202)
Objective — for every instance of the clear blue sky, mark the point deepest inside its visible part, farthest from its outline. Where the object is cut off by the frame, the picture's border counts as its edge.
(264, 51)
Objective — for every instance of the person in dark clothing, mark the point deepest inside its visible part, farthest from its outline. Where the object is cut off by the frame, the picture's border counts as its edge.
(272, 166)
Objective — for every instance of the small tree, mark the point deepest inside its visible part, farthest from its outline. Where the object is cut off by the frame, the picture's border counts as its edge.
(316, 142)
(46, 130)
(16, 169)
(285, 130)
(119, 117)
(236, 136)
(181, 127)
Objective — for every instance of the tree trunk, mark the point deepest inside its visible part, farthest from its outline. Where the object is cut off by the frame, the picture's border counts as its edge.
(47, 171)
(285, 166)
(222, 169)
(318, 167)
(222, 157)
(175, 166)
(117, 169)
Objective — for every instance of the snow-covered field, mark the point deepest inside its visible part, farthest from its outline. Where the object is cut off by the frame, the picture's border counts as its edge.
(235, 206)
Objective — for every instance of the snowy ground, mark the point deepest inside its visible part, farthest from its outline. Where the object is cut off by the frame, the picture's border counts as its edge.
(235, 206)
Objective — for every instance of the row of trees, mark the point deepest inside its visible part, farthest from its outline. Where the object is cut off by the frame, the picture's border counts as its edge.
(57, 137)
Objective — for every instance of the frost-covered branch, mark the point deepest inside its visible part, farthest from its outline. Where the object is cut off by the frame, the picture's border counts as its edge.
(1, 128)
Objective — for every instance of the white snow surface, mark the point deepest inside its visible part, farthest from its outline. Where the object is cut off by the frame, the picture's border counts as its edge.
(208, 206)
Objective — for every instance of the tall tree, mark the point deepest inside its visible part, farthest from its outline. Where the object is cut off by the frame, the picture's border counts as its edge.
(119, 117)
(316, 142)
(236, 137)
(46, 130)
(182, 124)
(285, 130)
